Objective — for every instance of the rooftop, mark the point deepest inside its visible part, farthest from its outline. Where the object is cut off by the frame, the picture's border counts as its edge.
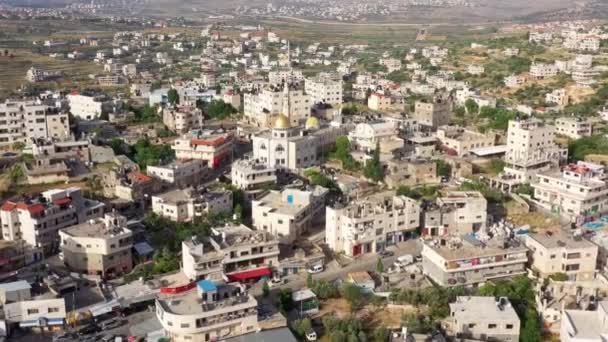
(191, 303)
(470, 309)
(560, 240)
(97, 228)
(469, 247)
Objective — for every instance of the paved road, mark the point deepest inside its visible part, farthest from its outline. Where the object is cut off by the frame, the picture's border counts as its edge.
(363, 263)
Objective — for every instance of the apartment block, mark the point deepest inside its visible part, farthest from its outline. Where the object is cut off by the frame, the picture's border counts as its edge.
(210, 311)
(324, 90)
(577, 193)
(87, 107)
(460, 141)
(183, 205)
(289, 213)
(21, 121)
(456, 213)
(368, 136)
(240, 253)
(453, 261)
(46, 314)
(370, 224)
(262, 109)
(434, 113)
(183, 119)
(484, 319)
(180, 173)
(37, 220)
(573, 127)
(249, 174)
(541, 70)
(559, 97)
(411, 172)
(100, 246)
(559, 252)
(213, 149)
(530, 150)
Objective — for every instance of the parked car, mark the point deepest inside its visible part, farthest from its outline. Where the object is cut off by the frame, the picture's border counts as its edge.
(111, 324)
(316, 269)
(386, 253)
(404, 260)
(87, 330)
(107, 338)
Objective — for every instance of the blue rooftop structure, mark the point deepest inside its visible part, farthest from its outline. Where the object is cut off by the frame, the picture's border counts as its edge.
(207, 286)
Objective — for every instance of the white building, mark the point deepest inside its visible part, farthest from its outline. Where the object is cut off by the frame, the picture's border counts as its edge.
(214, 150)
(181, 174)
(456, 213)
(513, 81)
(210, 311)
(391, 64)
(462, 141)
(368, 136)
(263, 108)
(541, 70)
(368, 225)
(182, 205)
(183, 119)
(475, 69)
(86, 107)
(530, 150)
(21, 121)
(484, 318)
(38, 220)
(251, 174)
(585, 326)
(558, 97)
(289, 213)
(324, 90)
(577, 193)
(573, 127)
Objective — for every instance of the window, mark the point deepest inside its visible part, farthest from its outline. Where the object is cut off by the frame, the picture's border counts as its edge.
(184, 325)
(471, 325)
(51, 310)
(32, 311)
(491, 326)
(509, 326)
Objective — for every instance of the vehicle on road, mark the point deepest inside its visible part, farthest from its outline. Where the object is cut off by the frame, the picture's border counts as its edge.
(404, 260)
(316, 269)
(111, 324)
(386, 254)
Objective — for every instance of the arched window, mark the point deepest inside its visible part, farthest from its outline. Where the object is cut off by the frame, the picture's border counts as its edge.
(279, 148)
(263, 146)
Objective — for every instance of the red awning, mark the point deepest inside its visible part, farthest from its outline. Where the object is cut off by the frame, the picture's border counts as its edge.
(62, 201)
(252, 274)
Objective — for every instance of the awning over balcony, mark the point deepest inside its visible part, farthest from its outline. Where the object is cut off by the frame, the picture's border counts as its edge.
(251, 274)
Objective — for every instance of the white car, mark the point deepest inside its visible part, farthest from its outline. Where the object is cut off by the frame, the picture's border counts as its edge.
(311, 336)
(316, 269)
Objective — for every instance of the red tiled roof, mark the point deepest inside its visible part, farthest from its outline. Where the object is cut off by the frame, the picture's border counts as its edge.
(8, 206)
(213, 142)
(253, 274)
(62, 201)
(139, 177)
(36, 208)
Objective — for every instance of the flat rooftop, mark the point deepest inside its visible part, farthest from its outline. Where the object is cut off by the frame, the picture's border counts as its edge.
(191, 303)
(475, 308)
(467, 250)
(234, 236)
(560, 240)
(95, 229)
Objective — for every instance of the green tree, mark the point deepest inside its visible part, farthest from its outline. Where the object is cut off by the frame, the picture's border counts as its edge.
(380, 266)
(497, 166)
(16, 173)
(309, 281)
(471, 106)
(443, 169)
(18, 146)
(173, 97)
(265, 289)
(381, 334)
(301, 327)
(373, 167)
(165, 261)
(531, 331)
(218, 109)
(285, 302)
(578, 149)
(342, 153)
(352, 293)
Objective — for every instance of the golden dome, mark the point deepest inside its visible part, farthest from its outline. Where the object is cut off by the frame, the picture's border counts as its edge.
(281, 121)
(312, 122)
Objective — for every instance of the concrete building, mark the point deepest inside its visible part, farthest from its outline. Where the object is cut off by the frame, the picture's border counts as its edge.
(456, 213)
(214, 150)
(585, 326)
(573, 127)
(391, 64)
(87, 107)
(183, 205)
(368, 225)
(578, 193)
(180, 173)
(558, 97)
(210, 311)
(560, 252)
(295, 148)
(100, 247)
(461, 141)
(45, 314)
(411, 172)
(263, 109)
(380, 102)
(541, 70)
(484, 319)
(434, 113)
(249, 174)
(368, 136)
(468, 261)
(21, 121)
(289, 213)
(530, 151)
(183, 119)
(513, 81)
(238, 252)
(37, 220)
(324, 90)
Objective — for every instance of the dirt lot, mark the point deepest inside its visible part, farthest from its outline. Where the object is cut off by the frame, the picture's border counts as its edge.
(536, 220)
(373, 316)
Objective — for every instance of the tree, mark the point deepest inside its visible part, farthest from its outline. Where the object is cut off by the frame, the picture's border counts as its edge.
(238, 212)
(352, 293)
(309, 281)
(531, 331)
(342, 153)
(578, 149)
(285, 302)
(497, 166)
(443, 169)
(265, 289)
(381, 334)
(380, 266)
(218, 109)
(18, 146)
(373, 168)
(471, 106)
(301, 326)
(16, 173)
(173, 97)
(165, 261)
